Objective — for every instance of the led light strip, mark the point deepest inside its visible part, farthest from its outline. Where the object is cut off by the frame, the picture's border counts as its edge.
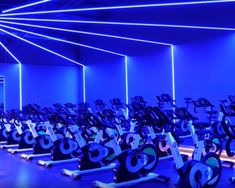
(43, 48)
(70, 42)
(121, 7)
(87, 33)
(173, 71)
(4, 89)
(62, 40)
(39, 46)
(2, 81)
(122, 23)
(25, 6)
(84, 83)
(127, 86)
(73, 43)
(103, 35)
(34, 44)
(126, 82)
(20, 73)
(126, 75)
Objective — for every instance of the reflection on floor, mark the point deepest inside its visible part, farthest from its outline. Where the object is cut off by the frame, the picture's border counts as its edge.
(18, 173)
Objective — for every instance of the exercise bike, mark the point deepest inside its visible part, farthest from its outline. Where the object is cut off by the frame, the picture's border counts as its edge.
(199, 172)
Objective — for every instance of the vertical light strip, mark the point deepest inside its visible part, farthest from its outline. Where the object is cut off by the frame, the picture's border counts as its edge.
(61, 40)
(98, 49)
(20, 85)
(84, 83)
(127, 86)
(126, 79)
(97, 34)
(20, 73)
(103, 35)
(36, 45)
(173, 71)
(25, 6)
(65, 41)
(39, 46)
(4, 94)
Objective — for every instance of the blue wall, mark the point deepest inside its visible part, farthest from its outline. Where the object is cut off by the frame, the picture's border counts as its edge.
(205, 69)
(46, 85)
(46, 78)
(42, 84)
(204, 59)
(11, 74)
(105, 75)
(150, 73)
(202, 68)
(1, 93)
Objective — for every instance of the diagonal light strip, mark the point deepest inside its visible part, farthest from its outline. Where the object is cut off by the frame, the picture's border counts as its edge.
(20, 72)
(74, 43)
(102, 35)
(122, 23)
(119, 37)
(88, 33)
(43, 48)
(25, 6)
(39, 46)
(121, 7)
(64, 41)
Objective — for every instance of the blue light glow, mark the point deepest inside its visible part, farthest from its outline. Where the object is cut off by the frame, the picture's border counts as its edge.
(20, 73)
(102, 35)
(25, 6)
(121, 7)
(90, 33)
(117, 23)
(4, 94)
(126, 79)
(84, 83)
(173, 71)
(41, 47)
(95, 34)
(70, 42)
(127, 87)
(62, 40)
(4, 89)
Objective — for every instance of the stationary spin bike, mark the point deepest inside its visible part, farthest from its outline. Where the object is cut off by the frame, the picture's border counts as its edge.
(228, 111)
(213, 142)
(200, 172)
(135, 165)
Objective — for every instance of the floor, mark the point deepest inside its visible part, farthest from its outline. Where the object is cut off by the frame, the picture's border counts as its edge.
(18, 173)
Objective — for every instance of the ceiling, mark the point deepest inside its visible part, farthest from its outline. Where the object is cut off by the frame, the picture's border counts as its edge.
(217, 15)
